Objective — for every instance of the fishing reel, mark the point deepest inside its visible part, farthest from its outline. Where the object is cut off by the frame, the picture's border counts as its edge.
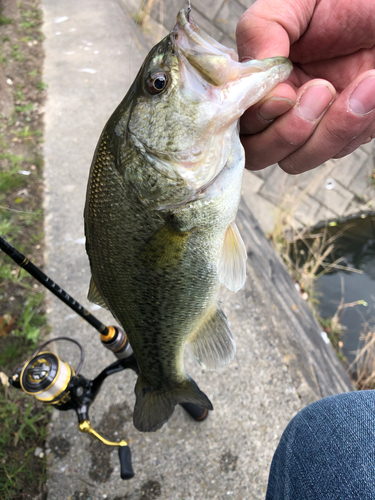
(53, 381)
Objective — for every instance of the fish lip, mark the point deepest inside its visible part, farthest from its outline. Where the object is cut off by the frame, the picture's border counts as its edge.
(192, 43)
(198, 36)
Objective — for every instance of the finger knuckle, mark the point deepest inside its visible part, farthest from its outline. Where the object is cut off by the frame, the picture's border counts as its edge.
(290, 139)
(291, 166)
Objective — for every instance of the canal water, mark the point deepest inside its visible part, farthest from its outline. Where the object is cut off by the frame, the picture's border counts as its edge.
(356, 245)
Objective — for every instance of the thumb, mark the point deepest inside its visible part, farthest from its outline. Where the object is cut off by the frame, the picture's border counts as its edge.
(269, 27)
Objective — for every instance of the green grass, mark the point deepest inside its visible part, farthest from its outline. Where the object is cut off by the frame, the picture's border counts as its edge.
(34, 72)
(26, 133)
(21, 421)
(19, 95)
(31, 321)
(17, 54)
(26, 25)
(27, 107)
(38, 161)
(5, 20)
(41, 86)
(30, 19)
(11, 180)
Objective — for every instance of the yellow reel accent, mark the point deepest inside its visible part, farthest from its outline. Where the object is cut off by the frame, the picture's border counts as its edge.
(85, 426)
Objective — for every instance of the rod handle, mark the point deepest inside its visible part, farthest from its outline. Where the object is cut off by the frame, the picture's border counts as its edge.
(125, 462)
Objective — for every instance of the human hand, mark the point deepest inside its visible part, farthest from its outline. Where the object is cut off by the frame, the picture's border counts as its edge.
(326, 108)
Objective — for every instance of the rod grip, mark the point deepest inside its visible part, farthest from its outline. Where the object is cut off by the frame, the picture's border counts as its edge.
(125, 462)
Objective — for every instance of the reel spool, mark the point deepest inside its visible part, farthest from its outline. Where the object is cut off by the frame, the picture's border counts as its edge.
(46, 377)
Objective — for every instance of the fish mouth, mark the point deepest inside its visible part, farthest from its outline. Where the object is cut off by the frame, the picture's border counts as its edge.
(211, 72)
(218, 65)
(215, 90)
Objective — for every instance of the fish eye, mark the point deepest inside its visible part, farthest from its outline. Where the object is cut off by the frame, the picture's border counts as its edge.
(157, 82)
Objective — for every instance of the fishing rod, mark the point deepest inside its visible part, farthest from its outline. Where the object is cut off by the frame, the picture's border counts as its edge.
(36, 273)
(53, 381)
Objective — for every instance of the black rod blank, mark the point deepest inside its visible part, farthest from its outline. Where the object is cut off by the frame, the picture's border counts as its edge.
(36, 273)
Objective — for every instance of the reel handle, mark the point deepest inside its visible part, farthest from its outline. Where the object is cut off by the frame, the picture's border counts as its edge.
(124, 454)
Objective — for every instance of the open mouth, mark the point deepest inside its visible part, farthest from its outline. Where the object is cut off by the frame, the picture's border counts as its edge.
(217, 64)
(213, 72)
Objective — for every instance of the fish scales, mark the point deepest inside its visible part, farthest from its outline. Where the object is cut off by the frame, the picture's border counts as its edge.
(163, 193)
(143, 271)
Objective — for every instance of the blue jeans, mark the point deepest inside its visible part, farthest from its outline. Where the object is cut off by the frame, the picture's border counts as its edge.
(327, 452)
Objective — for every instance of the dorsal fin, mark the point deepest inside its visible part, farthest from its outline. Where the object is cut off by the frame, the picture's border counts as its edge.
(232, 265)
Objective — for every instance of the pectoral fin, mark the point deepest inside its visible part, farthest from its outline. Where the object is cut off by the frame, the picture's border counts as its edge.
(165, 248)
(94, 295)
(232, 265)
(212, 343)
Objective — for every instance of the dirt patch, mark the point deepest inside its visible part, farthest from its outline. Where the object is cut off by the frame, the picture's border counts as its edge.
(228, 462)
(150, 490)
(82, 495)
(59, 446)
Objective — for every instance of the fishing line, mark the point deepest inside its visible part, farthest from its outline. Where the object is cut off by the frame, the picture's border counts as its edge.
(132, 39)
(138, 17)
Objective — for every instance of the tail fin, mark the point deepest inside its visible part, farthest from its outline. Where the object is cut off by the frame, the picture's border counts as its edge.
(153, 408)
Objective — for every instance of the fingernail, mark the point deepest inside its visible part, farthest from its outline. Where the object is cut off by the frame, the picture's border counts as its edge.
(314, 101)
(274, 107)
(362, 100)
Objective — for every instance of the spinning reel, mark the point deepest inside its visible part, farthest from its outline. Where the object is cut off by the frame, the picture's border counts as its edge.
(53, 381)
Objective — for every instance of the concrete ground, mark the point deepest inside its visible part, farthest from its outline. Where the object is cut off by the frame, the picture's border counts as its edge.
(93, 51)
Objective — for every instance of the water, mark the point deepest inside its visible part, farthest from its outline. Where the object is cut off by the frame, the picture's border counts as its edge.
(357, 246)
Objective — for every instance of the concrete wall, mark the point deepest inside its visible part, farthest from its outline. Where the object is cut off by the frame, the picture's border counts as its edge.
(219, 18)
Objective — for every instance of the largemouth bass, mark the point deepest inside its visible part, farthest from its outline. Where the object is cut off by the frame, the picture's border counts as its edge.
(163, 192)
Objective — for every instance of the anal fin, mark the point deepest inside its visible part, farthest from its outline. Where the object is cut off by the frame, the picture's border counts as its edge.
(212, 343)
(94, 295)
(232, 264)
